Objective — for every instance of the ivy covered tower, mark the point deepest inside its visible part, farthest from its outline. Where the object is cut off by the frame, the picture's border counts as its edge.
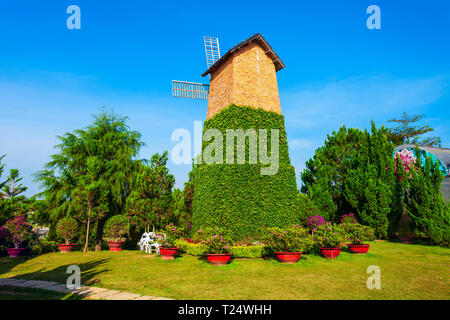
(237, 197)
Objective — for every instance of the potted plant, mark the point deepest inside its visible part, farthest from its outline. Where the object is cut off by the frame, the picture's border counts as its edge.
(168, 250)
(330, 238)
(115, 229)
(218, 249)
(356, 234)
(288, 244)
(66, 229)
(16, 231)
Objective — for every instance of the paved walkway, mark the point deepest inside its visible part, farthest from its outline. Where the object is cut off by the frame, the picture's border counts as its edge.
(84, 291)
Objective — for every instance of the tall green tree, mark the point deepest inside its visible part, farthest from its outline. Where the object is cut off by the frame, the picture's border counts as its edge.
(430, 216)
(353, 172)
(150, 202)
(92, 170)
(406, 132)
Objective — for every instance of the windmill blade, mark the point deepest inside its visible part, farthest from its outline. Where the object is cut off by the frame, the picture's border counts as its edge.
(191, 90)
(212, 50)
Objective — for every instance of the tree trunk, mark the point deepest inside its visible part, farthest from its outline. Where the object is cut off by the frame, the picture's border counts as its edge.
(99, 236)
(87, 231)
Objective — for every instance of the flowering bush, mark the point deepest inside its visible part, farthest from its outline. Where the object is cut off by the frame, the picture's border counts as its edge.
(349, 218)
(292, 239)
(172, 234)
(203, 234)
(329, 236)
(66, 229)
(314, 221)
(17, 230)
(356, 233)
(215, 242)
(116, 227)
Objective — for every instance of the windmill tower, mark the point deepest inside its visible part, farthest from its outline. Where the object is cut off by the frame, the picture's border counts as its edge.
(245, 75)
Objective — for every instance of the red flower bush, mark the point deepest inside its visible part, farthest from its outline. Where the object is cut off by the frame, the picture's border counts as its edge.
(17, 230)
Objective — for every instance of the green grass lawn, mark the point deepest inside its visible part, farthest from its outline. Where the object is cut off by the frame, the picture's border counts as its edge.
(407, 272)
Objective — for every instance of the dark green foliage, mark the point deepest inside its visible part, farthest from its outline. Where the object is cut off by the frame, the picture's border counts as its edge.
(237, 197)
(150, 202)
(353, 172)
(430, 217)
(90, 176)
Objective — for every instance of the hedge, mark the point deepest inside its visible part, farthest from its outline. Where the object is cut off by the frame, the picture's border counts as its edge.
(198, 249)
(237, 197)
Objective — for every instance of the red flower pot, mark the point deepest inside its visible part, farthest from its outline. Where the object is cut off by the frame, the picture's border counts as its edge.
(16, 252)
(288, 257)
(330, 253)
(115, 245)
(168, 253)
(64, 248)
(219, 259)
(358, 248)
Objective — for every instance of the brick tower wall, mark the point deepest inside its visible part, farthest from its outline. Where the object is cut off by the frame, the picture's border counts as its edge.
(247, 78)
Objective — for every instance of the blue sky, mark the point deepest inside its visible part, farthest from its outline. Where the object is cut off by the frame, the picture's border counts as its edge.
(53, 79)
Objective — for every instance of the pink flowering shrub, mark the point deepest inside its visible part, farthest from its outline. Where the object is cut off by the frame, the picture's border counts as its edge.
(314, 221)
(329, 236)
(407, 158)
(349, 218)
(292, 239)
(67, 229)
(214, 241)
(172, 234)
(17, 230)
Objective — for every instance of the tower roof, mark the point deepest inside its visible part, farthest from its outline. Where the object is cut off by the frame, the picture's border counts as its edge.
(255, 38)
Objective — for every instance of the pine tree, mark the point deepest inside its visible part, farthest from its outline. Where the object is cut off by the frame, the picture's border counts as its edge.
(429, 214)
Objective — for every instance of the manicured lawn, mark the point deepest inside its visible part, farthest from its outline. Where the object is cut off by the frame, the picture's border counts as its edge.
(407, 272)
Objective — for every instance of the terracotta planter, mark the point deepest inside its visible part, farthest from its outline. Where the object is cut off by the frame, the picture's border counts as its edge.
(330, 253)
(288, 257)
(358, 248)
(219, 259)
(64, 248)
(168, 253)
(115, 245)
(16, 252)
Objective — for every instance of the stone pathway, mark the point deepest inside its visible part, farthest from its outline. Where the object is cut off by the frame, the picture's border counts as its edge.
(84, 291)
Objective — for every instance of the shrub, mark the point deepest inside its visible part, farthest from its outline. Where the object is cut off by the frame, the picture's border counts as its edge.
(292, 239)
(268, 200)
(356, 233)
(116, 227)
(216, 244)
(256, 251)
(314, 221)
(348, 218)
(66, 229)
(17, 230)
(43, 246)
(172, 234)
(329, 236)
(194, 249)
